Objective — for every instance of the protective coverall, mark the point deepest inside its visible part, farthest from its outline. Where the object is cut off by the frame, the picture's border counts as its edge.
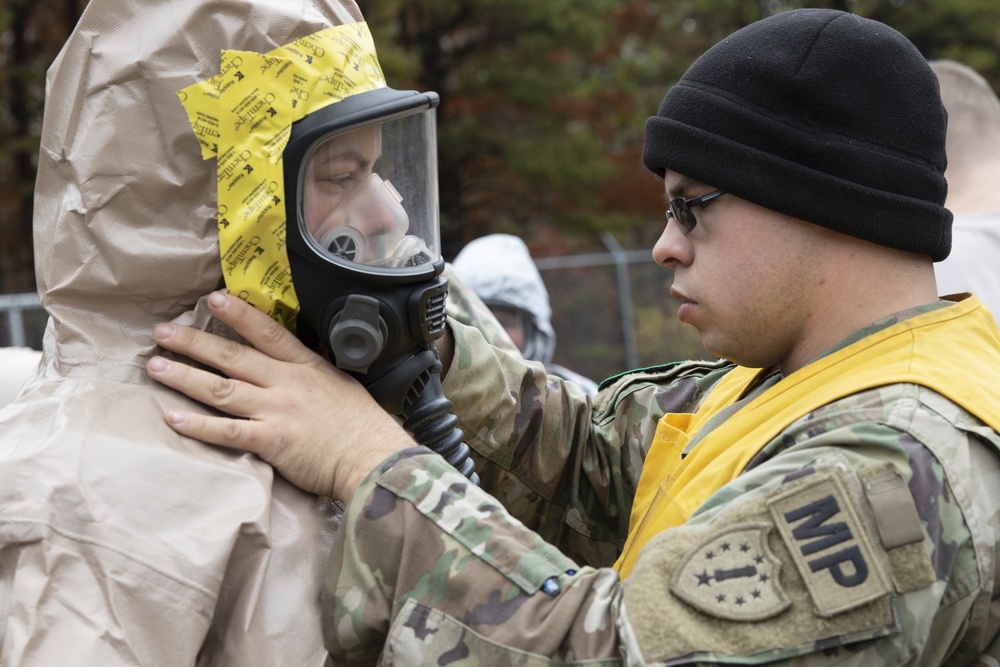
(121, 542)
(971, 266)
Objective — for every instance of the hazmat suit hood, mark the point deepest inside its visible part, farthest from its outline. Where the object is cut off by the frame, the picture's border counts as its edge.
(124, 542)
(500, 270)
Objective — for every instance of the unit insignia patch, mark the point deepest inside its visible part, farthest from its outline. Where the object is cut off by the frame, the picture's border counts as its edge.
(732, 575)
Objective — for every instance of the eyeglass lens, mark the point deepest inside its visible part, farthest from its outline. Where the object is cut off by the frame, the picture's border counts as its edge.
(681, 209)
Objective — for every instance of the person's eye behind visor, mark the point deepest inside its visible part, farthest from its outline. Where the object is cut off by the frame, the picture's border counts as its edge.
(368, 195)
(366, 225)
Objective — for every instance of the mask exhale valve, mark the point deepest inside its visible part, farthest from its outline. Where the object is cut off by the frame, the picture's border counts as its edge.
(407, 383)
(364, 250)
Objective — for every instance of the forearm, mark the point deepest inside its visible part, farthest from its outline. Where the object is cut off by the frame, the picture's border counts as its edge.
(446, 351)
(426, 565)
(424, 559)
(564, 464)
(539, 451)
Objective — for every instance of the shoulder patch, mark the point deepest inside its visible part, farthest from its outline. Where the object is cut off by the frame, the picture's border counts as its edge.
(732, 575)
(670, 617)
(829, 545)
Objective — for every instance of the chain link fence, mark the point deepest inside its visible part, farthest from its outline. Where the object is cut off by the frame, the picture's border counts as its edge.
(22, 320)
(611, 312)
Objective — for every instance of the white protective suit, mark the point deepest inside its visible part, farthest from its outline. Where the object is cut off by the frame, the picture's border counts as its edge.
(121, 542)
(499, 269)
(17, 364)
(974, 262)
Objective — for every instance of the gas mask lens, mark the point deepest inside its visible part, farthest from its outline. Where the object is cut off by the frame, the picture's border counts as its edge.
(366, 225)
(367, 195)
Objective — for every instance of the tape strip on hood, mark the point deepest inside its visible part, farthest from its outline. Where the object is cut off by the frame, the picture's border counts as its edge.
(243, 117)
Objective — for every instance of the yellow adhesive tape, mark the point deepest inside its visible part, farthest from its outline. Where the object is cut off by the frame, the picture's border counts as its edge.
(243, 117)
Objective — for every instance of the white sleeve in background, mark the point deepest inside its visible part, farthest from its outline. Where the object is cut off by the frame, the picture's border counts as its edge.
(974, 262)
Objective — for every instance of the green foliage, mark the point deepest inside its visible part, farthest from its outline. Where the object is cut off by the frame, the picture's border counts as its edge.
(521, 83)
(964, 30)
(544, 102)
(31, 34)
(540, 127)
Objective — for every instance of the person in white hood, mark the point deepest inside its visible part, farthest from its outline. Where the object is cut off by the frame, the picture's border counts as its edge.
(501, 272)
(122, 542)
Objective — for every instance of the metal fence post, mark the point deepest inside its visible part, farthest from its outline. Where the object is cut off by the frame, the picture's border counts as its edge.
(624, 297)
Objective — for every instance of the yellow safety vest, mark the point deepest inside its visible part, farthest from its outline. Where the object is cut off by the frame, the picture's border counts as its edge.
(953, 350)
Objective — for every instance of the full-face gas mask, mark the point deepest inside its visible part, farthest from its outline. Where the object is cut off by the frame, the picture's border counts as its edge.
(364, 251)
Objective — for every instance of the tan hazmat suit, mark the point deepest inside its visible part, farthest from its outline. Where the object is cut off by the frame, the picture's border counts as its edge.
(121, 542)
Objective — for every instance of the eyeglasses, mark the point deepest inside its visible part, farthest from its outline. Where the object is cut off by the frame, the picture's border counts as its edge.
(680, 209)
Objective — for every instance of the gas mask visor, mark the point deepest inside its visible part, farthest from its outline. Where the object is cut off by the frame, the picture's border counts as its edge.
(364, 177)
(364, 253)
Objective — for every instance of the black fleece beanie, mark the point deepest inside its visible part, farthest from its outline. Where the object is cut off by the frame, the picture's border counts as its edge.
(821, 115)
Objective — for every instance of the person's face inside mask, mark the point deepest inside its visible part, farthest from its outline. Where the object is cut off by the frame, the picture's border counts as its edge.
(349, 209)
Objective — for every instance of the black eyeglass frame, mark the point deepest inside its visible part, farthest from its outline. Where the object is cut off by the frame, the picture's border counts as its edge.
(680, 209)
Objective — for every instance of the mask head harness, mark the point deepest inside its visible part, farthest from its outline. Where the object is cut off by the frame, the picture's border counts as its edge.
(364, 252)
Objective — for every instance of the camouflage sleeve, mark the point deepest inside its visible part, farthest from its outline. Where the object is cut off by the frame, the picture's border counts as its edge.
(845, 544)
(429, 569)
(563, 463)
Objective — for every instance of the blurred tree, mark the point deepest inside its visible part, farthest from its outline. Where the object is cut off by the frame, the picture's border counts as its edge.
(31, 34)
(964, 30)
(533, 123)
(543, 104)
(540, 127)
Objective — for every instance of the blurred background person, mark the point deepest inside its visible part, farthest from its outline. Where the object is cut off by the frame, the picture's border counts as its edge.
(973, 175)
(499, 269)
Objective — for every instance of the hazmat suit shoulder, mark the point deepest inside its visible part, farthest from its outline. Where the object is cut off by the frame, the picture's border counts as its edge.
(125, 543)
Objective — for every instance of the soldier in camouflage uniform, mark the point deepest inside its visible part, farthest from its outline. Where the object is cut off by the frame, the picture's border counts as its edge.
(830, 494)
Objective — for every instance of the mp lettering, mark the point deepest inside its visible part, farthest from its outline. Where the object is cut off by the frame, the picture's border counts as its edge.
(820, 536)
(832, 551)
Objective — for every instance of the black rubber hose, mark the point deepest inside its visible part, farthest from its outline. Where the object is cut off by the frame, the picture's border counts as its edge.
(427, 415)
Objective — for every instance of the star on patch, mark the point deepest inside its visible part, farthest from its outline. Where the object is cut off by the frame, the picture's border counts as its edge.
(738, 584)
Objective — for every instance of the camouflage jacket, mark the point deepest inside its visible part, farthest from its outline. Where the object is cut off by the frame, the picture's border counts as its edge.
(428, 569)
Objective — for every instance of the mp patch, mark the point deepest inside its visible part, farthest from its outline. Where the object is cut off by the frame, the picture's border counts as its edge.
(732, 575)
(829, 545)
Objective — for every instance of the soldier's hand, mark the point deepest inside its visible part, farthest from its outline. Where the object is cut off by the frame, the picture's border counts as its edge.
(318, 426)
